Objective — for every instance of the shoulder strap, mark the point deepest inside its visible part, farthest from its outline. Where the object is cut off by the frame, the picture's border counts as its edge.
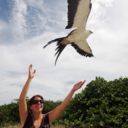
(45, 121)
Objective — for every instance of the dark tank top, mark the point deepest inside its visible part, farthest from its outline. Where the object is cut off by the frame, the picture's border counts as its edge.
(44, 123)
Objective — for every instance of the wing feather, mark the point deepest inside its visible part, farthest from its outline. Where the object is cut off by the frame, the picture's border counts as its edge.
(83, 48)
(78, 12)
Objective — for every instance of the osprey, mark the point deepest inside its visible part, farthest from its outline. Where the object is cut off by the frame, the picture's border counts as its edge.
(78, 12)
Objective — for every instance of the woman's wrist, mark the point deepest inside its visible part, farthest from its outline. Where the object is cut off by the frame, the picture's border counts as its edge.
(29, 78)
(73, 90)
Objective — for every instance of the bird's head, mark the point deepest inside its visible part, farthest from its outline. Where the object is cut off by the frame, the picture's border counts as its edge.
(90, 32)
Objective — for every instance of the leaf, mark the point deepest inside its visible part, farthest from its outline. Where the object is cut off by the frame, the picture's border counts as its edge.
(102, 123)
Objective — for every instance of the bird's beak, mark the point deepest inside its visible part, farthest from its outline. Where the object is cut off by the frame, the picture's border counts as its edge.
(91, 32)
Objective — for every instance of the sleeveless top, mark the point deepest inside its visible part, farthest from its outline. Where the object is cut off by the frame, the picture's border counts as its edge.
(44, 123)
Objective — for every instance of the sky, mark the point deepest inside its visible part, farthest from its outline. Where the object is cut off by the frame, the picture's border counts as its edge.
(27, 25)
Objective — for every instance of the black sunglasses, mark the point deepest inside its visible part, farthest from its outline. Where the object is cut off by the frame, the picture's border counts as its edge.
(36, 101)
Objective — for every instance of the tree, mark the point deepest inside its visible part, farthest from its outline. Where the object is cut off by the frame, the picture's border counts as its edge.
(100, 104)
(10, 112)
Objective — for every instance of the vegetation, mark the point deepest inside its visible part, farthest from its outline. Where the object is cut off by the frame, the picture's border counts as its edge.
(19, 126)
(9, 113)
(102, 104)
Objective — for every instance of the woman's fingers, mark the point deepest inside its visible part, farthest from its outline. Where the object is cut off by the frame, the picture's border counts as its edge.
(31, 74)
(34, 71)
(78, 85)
(83, 82)
(30, 66)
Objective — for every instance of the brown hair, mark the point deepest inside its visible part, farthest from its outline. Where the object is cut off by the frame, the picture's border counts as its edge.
(30, 101)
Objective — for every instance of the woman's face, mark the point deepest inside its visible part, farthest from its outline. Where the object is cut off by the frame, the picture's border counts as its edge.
(37, 107)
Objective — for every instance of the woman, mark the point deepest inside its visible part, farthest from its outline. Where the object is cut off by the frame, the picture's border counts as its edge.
(37, 119)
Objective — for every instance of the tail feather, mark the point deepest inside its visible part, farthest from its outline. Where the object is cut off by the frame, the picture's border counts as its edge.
(60, 47)
(52, 41)
(59, 50)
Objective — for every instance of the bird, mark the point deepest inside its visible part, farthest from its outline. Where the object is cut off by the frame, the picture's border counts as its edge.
(78, 13)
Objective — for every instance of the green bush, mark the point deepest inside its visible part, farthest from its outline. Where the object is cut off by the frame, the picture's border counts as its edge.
(100, 104)
(9, 113)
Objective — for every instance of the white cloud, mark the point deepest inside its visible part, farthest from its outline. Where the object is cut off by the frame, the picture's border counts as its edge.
(17, 19)
(39, 4)
(107, 3)
(108, 43)
(3, 25)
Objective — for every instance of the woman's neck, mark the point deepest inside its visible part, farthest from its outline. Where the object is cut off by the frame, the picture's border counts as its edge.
(37, 116)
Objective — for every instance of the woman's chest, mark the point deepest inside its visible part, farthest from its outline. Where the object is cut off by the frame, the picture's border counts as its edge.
(40, 125)
(37, 124)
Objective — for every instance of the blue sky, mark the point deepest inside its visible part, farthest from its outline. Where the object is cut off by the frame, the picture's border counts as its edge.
(27, 25)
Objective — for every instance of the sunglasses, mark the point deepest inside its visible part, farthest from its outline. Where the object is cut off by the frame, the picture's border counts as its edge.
(36, 101)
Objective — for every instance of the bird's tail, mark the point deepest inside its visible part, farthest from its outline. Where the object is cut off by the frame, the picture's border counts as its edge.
(60, 46)
(52, 41)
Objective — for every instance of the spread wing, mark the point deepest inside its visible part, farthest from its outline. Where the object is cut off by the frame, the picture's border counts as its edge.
(83, 48)
(78, 12)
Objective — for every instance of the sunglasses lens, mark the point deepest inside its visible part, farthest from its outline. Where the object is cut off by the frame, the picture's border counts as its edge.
(36, 101)
(41, 101)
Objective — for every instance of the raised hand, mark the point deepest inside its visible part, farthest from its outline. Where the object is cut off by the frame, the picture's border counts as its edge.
(31, 73)
(78, 85)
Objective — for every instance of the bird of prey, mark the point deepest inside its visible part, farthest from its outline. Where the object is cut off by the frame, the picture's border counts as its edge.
(78, 12)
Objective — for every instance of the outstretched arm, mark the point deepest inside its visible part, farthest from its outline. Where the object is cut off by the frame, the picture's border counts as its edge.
(57, 111)
(22, 100)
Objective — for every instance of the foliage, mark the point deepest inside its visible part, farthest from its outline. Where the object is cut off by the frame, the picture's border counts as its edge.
(100, 104)
(10, 112)
(50, 105)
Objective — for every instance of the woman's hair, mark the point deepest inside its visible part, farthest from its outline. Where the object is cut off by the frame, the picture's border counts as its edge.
(30, 101)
